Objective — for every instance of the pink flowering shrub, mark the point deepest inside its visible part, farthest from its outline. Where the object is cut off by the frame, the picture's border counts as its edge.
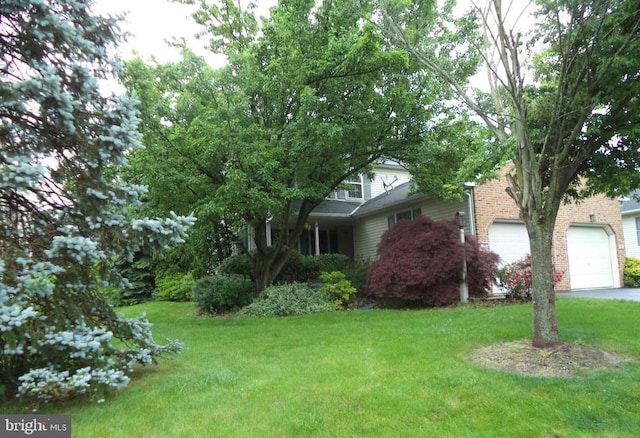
(515, 278)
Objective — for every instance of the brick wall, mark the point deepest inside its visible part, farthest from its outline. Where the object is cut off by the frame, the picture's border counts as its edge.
(493, 203)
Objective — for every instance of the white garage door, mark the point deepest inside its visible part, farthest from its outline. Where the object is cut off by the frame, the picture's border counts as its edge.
(591, 260)
(509, 240)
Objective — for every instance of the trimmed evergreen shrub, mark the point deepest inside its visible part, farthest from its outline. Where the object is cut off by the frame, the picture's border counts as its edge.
(354, 271)
(334, 262)
(175, 287)
(288, 299)
(631, 273)
(222, 293)
(238, 264)
(421, 261)
(298, 269)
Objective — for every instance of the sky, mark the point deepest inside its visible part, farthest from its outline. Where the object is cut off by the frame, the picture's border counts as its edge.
(152, 22)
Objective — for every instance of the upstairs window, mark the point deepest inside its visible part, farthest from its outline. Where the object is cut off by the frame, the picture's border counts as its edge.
(409, 215)
(354, 187)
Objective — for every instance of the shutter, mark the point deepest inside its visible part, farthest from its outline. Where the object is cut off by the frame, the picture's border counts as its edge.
(367, 188)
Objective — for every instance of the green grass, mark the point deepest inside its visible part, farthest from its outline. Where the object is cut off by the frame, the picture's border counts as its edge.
(376, 373)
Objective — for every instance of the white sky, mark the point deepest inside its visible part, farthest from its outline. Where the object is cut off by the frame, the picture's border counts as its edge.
(152, 22)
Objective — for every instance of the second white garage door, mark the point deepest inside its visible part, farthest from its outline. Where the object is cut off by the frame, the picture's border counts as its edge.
(509, 240)
(591, 261)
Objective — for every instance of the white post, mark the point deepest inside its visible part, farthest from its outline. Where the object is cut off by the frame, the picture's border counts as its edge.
(317, 239)
(251, 243)
(464, 289)
(268, 231)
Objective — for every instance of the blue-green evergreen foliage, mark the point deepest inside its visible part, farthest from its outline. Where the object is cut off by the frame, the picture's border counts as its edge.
(63, 209)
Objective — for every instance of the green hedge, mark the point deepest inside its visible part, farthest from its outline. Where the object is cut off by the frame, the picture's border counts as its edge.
(631, 273)
(174, 287)
(288, 299)
(222, 293)
(302, 268)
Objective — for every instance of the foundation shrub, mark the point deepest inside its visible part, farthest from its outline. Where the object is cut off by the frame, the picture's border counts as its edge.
(174, 287)
(298, 269)
(337, 288)
(288, 300)
(238, 264)
(515, 279)
(333, 262)
(421, 262)
(222, 293)
(631, 274)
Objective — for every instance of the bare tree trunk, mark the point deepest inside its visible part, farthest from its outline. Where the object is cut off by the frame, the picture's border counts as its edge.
(545, 322)
(269, 261)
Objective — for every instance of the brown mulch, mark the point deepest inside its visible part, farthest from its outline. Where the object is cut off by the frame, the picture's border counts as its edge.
(562, 360)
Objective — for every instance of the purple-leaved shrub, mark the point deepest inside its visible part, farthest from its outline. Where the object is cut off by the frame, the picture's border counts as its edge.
(422, 260)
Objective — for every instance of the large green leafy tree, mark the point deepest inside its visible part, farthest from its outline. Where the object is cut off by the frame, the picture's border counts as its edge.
(63, 212)
(308, 99)
(180, 163)
(564, 104)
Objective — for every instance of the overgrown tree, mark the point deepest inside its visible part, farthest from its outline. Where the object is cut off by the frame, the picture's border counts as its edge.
(309, 98)
(180, 163)
(564, 103)
(63, 211)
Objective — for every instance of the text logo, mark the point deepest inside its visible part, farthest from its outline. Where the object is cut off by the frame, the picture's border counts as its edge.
(35, 426)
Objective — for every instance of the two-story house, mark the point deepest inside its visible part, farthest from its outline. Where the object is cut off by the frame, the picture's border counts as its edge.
(588, 239)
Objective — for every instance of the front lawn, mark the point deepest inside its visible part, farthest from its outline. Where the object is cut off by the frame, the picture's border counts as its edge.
(376, 373)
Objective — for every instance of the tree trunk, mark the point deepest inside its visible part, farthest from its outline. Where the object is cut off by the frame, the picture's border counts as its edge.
(269, 261)
(262, 273)
(545, 322)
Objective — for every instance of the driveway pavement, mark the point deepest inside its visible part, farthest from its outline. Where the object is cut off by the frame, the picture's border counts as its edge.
(627, 294)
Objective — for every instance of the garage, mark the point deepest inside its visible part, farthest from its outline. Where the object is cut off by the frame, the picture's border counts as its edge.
(592, 260)
(509, 240)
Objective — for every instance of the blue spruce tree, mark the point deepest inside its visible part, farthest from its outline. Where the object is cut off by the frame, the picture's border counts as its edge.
(63, 209)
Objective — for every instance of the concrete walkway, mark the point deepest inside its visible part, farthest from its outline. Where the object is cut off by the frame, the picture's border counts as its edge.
(627, 294)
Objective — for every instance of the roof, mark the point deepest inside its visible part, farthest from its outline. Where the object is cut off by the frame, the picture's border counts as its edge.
(390, 198)
(631, 204)
(330, 207)
(345, 209)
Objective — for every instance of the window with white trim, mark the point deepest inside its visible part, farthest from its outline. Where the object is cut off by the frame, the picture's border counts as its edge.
(409, 215)
(354, 187)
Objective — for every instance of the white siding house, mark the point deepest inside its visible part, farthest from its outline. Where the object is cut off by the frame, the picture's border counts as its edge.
(382, 212)
(631, 226)
(589, 240)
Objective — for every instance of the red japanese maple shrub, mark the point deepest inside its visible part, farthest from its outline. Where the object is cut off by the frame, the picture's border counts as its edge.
(421, 261)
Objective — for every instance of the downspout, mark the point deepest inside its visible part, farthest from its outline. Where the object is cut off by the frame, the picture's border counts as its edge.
(471, 208)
